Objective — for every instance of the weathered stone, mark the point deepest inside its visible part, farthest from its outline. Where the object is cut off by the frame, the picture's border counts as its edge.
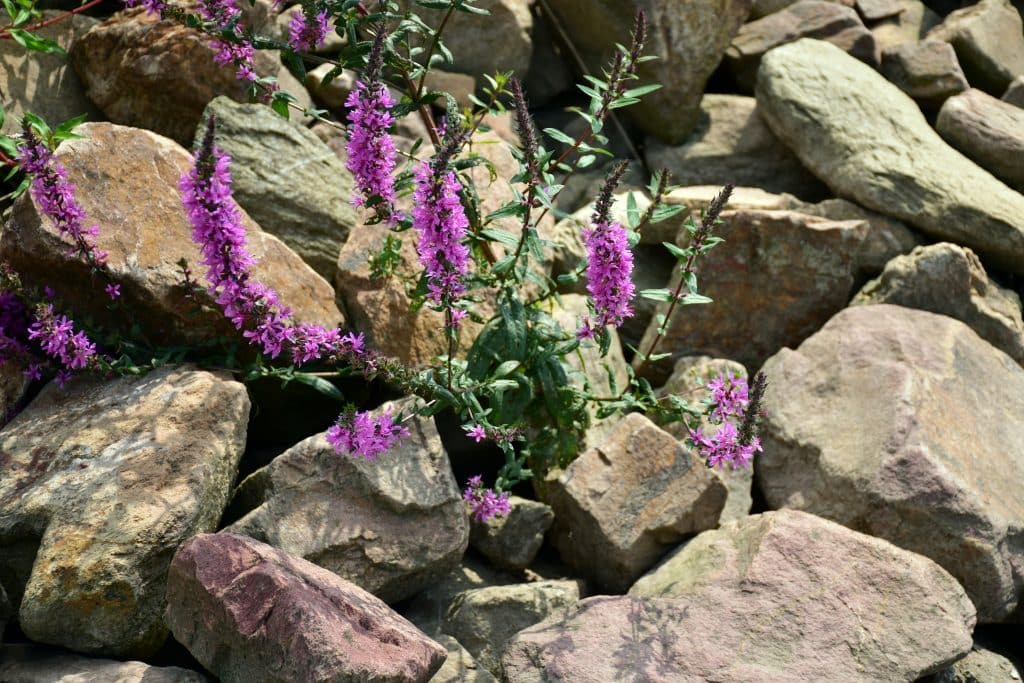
(484, 619)
(762, 8)
(249, 612)
(14, 384)
(127, 182)
(987, 130)
(1015, 92)
(788, 584)
(392, 526)
(627, 501)
(335, 92)
(927, 71)
(989, 40)
(909, 26)
(705, 28)
(873, 10)
(102, 482)
(549, 74)
(460, 86)
(44, 84)
(979, 666)
(460, 667)
(826, 21)
(290, 182)
(512, 541)
(869, 141)
(428, 608)
(39, 664)
(949, 280)
(903, 424)
(732, 144)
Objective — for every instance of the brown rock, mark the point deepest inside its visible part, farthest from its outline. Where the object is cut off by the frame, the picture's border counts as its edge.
(909, 26)
(989, 40)
(927, 71)
(987, 130)
(873, 10)
(39, 664)
(460, 667)
(512, 541)
(1015, 92)
(762, 8)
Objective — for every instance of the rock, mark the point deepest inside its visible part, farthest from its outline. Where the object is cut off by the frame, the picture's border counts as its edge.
(949, 280)
(732, 144)
(870, 143)
(873, 10)
(249, 612)
(780, 276)
(38, 664)
(483, 620)
(127, 182)
(787, 585)
(459, 86)
(705, 28)
(14, 386)
(334, 94)
(429, 607)
(927, 71)
(460, 667)
(988, 131)
(289, 181)
(102, 482)
(989, 40)
(549, 75)
(909, 26)
(762, 8)
(1015, 92)
(921, 445)
(6, 611)
(979, 665)
(627, 501)
(392, 526)
(44, 84)
(512, 541)
(827, 21)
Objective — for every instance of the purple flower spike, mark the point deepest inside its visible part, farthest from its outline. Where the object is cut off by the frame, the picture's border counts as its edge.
(485, 503)
(360, 434)
(441, 222)
(724, 446)
(729, 395)
(305, 35)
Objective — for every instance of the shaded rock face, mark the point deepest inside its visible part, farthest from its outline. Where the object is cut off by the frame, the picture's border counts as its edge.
(927, 71)
(909, 26)
(989, 40)
(13, 387)
(627, 501)
(704, 28)
(987, 130)
(512, 541)
(392, 526)
(904, 425)
(249, 612)
(102, 482)
(1015, 92)
(460, 667)
(949, 280)
(38, 664)
(869, 141)
(126, 181)
(979, 665)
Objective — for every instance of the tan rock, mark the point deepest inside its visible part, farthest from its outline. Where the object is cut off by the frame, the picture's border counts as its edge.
(989, 40)
(909, 26)
(987, 130)
(928, 71)
(36, 664)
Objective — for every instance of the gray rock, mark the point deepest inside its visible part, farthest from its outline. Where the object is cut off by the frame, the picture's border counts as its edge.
(904, 425)
(550, 74)
(1015, 92)
(762, 8)
(289, 181)
(429, 607)
(695, 198)
(335, 92)
(869, 141)
(927, 71)
(13, 386)
(979, 666)
(512, 541)
(873, 10)
(102, 482)
(40, 664)
(949, 280)
(460, 667)
(909, 26)
(987, 130)
(989, 40)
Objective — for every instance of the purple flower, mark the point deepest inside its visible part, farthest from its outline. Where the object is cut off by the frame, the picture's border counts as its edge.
(152, 6)
(609, 276)
(441, 221)
(56, 336)
(485, 503)
(371, 151)
(365, 435)
(724, 447)
(729, 395)
(112, 290)
(34, 371)
(477, 433)
(305, 35)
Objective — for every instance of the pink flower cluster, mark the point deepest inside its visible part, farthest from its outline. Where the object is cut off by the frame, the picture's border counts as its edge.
(729, 397)
(609, 277)
(441, 221)
(305, 35)
(365, 435)
(152, 6)
(371, 151)
(729, 394)
(56, 335)
(484, 503)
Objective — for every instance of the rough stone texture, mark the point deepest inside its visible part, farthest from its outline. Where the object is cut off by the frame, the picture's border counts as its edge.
(460, 667)
(781, 277)
(249, 612)
(732, 144)
(904, 424)
(987, 130)
(873, 10)
(949, 280)
(909, 26)
(127, 182)
(927, 71)
(429, 607)
(44, 84)
(38, 664)
(989, 40)
(290, 182)
(812, 600)
(484, 619)
(392, 525)
(13, 386)
(979, 666)
(334, 94)
(827, 21)
(627, 501)
(1015, 92)
(512, 541)
(698, 197)
(762, 8)
(705, 28)
(869, 141)
(102, 482)
(549, 74)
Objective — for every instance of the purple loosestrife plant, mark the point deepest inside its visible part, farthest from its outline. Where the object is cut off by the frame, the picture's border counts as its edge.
(730, 398)
(364, 435)
(307, 29)
(485, 503)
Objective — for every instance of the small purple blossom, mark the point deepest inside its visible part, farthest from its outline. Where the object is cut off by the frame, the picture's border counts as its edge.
(485, 503)
(112, 290)
(477, 433)
(729, 395)
(152, 6)
(441, 221)
(55, 334)
(724, 446)
(34, 371)
(305, 34)
(362, 434)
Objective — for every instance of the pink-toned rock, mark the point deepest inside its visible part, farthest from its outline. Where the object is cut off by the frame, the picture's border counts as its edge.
(249, 612)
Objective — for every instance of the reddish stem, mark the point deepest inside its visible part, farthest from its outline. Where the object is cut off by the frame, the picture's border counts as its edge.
(5, 35)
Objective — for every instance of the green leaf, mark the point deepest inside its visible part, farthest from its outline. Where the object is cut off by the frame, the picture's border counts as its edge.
(506, 368)
(632, 211)
(681, 254)
(694, 298)
(513, 208)
(503, 236)
(663, 213)
(656, 294)
(559, 136)
(642, 90)
(31, 41)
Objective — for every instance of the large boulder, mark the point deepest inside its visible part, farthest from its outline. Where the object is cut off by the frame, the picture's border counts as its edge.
(869, 141)
(249, 612)
(905, 425)
(102, 481)
(989, 40)
(126, 181)
(987, 130)
(38, 664)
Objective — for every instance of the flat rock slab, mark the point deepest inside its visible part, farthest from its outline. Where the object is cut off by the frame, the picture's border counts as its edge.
(39, 664)
(905, 425)
(249, 612)
(102, 482)
(869, 141)
(987, 130)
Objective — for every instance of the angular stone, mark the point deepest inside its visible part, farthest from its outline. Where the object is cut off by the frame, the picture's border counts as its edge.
(102, 482)
(949, 280)
(483, 620)
(1015, 92)
(460, 667)
(428, 608)
(927, 71)
(979, 665)
(127, 182)
(687, 37)
(249, 612)
(13, 386)
(762, 8)
(512, 541)
(989, 40)
(627, 501)
(732, 144)
(873, 10)
(869, 141)
(392, 526)
(287, 180)
(909, 26)
(904, 425)
(987, 130)
(335, 92)
(39, 664)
